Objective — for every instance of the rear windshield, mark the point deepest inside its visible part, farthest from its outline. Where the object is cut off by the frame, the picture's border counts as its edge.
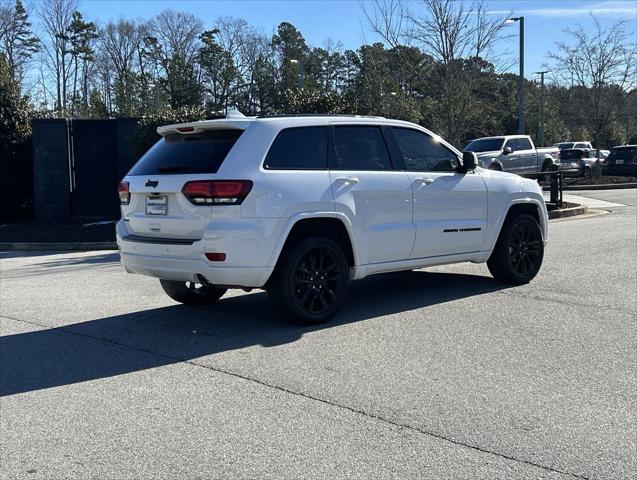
(202, 152)
(564, 146)
(485, 145)
(571, 154)
(627, 154)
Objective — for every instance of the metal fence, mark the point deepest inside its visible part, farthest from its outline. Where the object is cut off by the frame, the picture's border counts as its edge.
(556, 185)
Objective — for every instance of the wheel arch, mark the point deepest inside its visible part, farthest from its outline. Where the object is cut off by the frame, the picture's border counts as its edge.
(548, 160)
(529, 206)
(327, 224)
(496, 165)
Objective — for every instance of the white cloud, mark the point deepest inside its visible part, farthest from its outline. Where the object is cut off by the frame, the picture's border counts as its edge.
(614, 8)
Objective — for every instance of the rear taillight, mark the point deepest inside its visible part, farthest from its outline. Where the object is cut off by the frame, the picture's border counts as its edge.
(124, 193)
(217, 192)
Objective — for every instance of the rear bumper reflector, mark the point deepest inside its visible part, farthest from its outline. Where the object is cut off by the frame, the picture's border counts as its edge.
(216, 257)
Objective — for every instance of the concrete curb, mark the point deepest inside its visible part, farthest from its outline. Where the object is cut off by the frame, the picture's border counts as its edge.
(606, 186)
(58, 247)
(568, 212)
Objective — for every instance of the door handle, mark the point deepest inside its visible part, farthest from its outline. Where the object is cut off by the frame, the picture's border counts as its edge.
(423, 181)
(348, 180)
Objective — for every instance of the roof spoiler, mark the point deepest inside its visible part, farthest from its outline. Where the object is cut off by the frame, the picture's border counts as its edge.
(234, 120)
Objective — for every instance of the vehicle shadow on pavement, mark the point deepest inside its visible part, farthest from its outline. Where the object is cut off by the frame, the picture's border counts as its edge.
(132, 342)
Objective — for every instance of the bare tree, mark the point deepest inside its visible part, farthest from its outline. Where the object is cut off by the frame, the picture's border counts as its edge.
(173, 44)
(245, 46)
(120, 42)
(56, 16)
(602, 65)
(459, 38)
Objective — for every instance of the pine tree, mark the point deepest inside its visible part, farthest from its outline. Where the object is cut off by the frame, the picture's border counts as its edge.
(81, 36)
(17, 39)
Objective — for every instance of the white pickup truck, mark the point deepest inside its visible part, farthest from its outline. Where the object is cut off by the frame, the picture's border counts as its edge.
(513, 153)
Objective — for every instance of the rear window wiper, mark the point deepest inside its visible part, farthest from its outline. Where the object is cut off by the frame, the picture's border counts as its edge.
(173, 168)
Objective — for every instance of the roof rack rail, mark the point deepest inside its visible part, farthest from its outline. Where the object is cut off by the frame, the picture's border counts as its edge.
(286, 115)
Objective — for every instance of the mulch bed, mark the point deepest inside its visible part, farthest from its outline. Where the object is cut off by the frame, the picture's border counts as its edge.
(565, 205)
(603, 180)
(73, 231)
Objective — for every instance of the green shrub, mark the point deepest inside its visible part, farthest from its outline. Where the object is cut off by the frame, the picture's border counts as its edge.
(16, 162)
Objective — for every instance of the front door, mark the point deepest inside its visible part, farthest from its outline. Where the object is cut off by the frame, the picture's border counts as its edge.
(511, 162)
(450, 208)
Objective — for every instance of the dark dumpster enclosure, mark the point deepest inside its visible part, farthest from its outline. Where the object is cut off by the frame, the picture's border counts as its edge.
(77, 166)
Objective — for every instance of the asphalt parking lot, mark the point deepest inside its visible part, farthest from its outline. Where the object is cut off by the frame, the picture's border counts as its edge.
(440, 373)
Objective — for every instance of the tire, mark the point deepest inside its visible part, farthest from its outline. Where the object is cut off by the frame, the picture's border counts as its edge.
(548, 166)
(495, 166)
(190, 294)
(588, 173)
(519, 251)
(311, 281)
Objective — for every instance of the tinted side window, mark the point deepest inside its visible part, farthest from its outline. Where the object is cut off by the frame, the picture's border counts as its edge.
(512, 144)
(524, 144)
(422, 152)
(361, 148)
(302, 148)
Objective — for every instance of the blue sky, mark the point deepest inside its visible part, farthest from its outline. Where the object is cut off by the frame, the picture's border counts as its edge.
(343, 20)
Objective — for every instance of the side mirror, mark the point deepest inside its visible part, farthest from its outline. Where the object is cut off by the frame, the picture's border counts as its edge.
(507, 150)
(469, 161)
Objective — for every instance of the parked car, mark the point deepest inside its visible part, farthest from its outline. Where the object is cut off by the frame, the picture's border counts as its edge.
(577, 161)
(622, 160)
(513, 153)
(302, 205)
(570, 145)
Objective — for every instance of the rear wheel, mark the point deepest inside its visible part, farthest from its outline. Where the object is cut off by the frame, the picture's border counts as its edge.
(311, 282)
(548, 166)
(519, 251)
(495, 166)
(190, 293)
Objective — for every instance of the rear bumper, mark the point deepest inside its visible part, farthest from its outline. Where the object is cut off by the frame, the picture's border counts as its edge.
(574, 171)
(188, 270)
(629, 169)
(185, 260)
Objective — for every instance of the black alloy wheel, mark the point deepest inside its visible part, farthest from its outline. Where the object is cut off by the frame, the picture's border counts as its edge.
(311, 281)
(317, 280)
(519, 252)
(524, 249)
(190, 293)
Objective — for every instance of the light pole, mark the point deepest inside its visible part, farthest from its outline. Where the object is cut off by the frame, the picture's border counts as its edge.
(541, 129)
(155, 87)
(510, 21)
(301, 64)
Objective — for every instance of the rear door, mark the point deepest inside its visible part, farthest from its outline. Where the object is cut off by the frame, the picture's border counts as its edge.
(157, 208)
(375, 196)
(450, 208)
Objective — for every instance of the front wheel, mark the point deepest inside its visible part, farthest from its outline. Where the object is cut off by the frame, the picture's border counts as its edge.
(312, 281)
(190, 293)
(519, 251)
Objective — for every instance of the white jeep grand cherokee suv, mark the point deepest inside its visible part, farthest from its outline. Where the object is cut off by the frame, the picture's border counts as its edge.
(302, 205)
